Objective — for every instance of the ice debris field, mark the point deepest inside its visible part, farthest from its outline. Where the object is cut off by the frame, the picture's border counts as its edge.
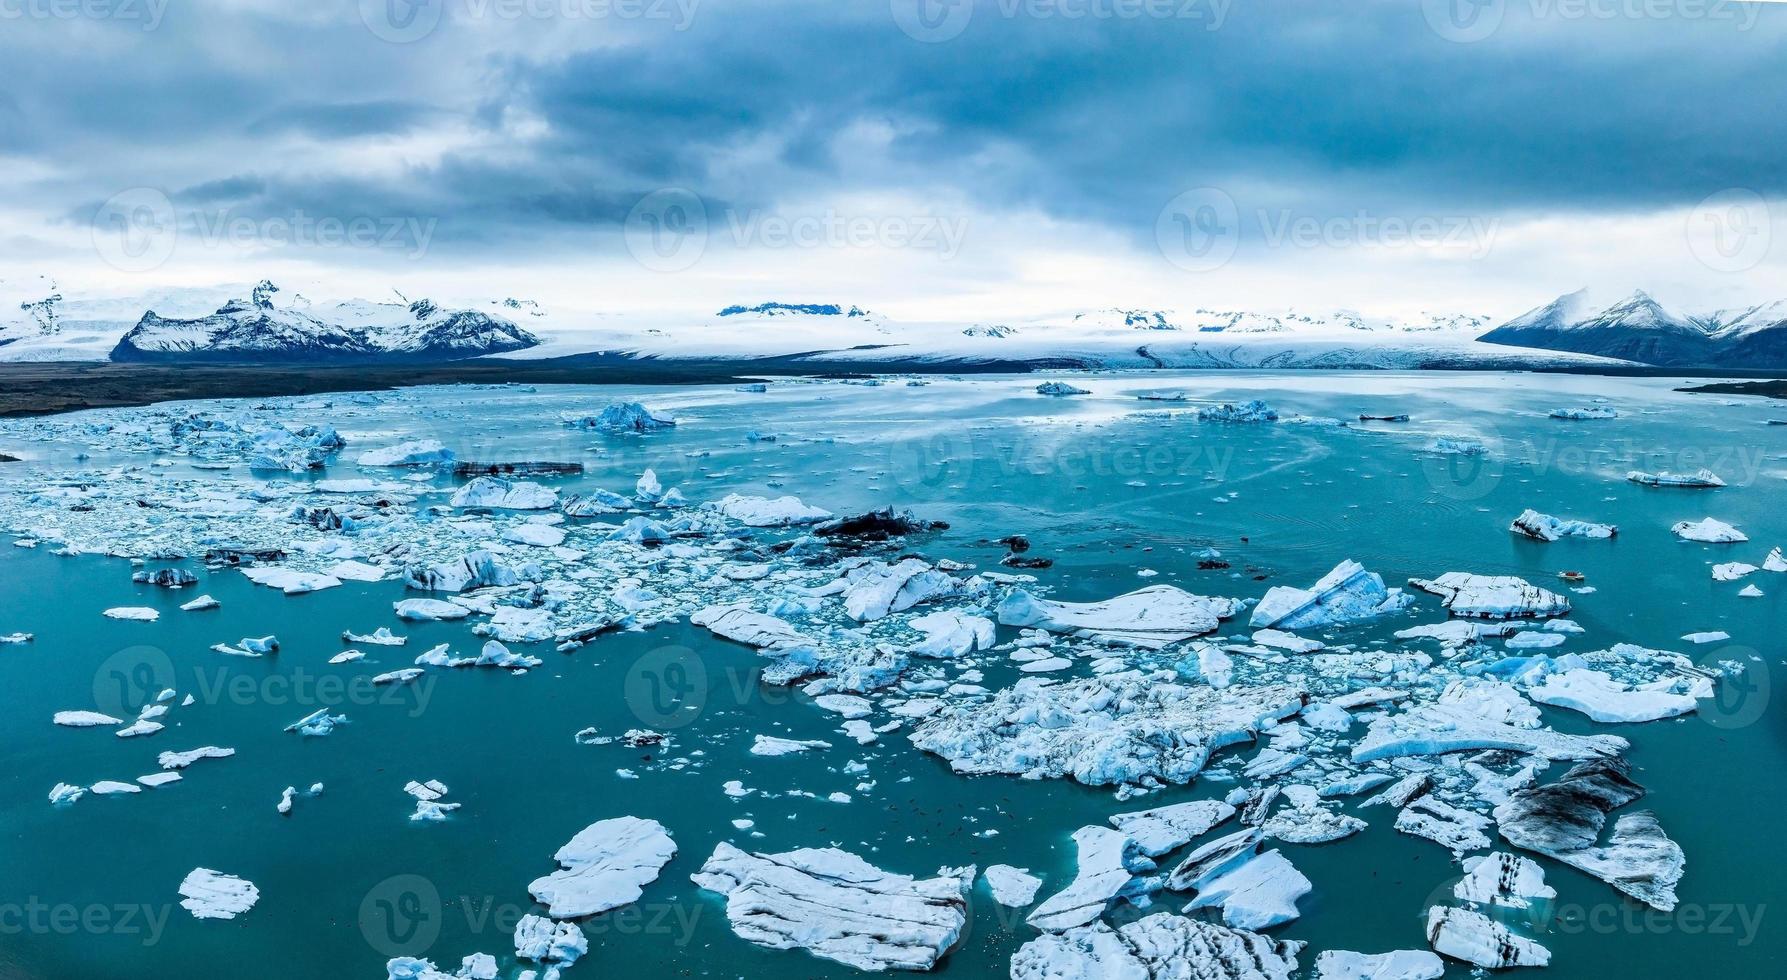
(1231, 727)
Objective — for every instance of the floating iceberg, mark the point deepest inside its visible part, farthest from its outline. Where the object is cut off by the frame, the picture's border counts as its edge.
(1403, 964)
(474, 571)
(1584, 414)
(1563, 820)
(626, 417)
(763, 512)
(1544, 527)
(604, 867)
(495, 493)
(839, 907)
(1159, 947)
(1606, 700)
(416, 452)
(1108, 864)
(1481, 941)
(1493, 596)
(1168, 828)
(1253, 411)
(1059, 388)
(1437, 729)
(1347, 594)
(210, 895)
(1709, 531)
(1011, 887)
(1700, 479)
(1153, 617)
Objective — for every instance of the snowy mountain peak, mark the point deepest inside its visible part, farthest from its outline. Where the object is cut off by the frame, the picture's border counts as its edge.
(791, 309)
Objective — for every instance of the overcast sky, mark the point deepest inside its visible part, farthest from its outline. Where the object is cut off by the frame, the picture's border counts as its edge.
(927, 158)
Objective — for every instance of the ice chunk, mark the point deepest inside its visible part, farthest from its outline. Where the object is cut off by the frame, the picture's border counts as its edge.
(1253, 411)
(1544, 527)
(1590, 413)
(381, 637)
(1702, 479)
(1159, 947)
(952, 634)
(764, 512)
(1059, 388)
(84, 719)
(208, 894)
(290, 581)
(1403, 964)
(1563, 820)
(1503, 879)
(1167, 828)
(426, 610)
(415, 452)
(1709, 531)
(741, 625)
(200, 604)
(1012, 887)
(476, 570)
(1492, 596)
(1153, 617)
(65, 793)
(1436, 729)
(495, 493)
(180, 760)
(770, 745)
(1606, 700)
(1453, 828)
(1731, 571)
(141, 614)
(621, 417)
(167, 578)
(542, 940)
(1259, 893)
(839, 907)
(1108, 863)
(1347, 594)
(1479, 940)
(876, 590)
(535, 535)
(604, 867)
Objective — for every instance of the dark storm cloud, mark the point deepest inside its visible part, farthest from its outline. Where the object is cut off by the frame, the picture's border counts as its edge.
(1326, 107)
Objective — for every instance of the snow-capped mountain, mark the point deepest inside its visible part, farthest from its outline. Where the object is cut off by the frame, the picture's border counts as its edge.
(259, 329)
(1638, 328)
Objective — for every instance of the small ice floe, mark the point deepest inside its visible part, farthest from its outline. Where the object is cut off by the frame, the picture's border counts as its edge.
(84, 719)
(1439, 729)
(1454, 446)
(1109, 865)
(285, 800)
(621, 417)
(348, 656)
(495, 493)
(1749, 592)
(1122, 728)
(208, 894)
(1288, 642)
(1254, 890)
(1775, 562)
(355, 571)
(1167, 828)
(542, 940)
(1708, 531)
(475, 570)
(477, 966)
(415, 452)
(605, 866)
(1712, 636)
(1453, 828)
(1534, 640)
(1013, 888)
(1481, 941)
(950, 634)
(428, 610)
(141, 614)
(1059, 388)
(402, 676)
(111, 787)
(1563, 820)
(249, 646)
(1347, 594)
(740, 625)
(770, 745)
(180, 760)
(1306, 821)
(317, 723)
(16, 638)
(1503, 880)
(1402, 964)
(290, 581)
(145, 723)
(200, 604)
(764, 512)
(1731, 571)
(1474, 596)
(1162, 945)
(381, 637)
(1154, 617)
(1544, 527)
(1592, 413)
(1700, 479)
(838, 907)
(428, 795)
(167, 578)
(65, 793)
(535, 535)
(1253, 411)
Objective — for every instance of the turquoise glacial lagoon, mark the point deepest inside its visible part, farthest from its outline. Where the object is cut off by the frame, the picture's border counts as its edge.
(1104, 484)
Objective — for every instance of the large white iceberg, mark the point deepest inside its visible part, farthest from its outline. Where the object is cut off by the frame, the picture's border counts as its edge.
(1544, 527)
(604, 867)
(1346, 594)
(1493, 596)
(1160, 947)
(1153, 617)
